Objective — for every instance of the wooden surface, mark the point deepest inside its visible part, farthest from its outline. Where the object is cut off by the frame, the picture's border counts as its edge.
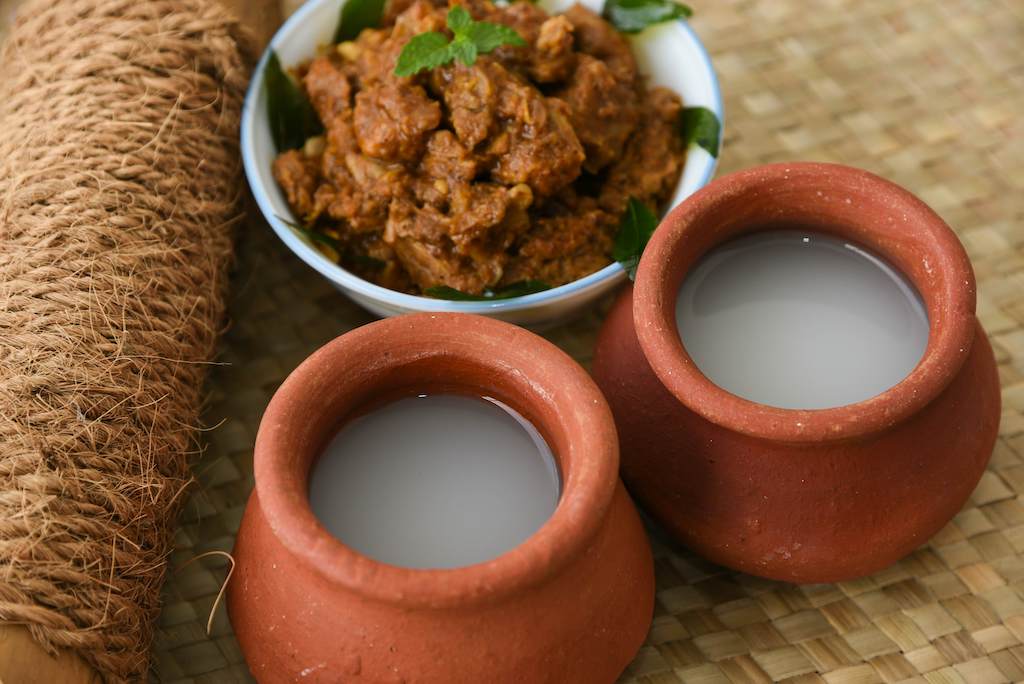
(22, 661)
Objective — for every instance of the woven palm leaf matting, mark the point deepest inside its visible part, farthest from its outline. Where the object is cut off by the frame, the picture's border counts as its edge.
(929, 93)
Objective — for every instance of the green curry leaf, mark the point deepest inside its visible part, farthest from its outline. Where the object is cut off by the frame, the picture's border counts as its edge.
(635, 230)
(311, 234)
(314, 235)
(469, 39)
(291, 116)
(519, 289)
(700, 125)
(357, 15)
(365, 260)
(633, 16)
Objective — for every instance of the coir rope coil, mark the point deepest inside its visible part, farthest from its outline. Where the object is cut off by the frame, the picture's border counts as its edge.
(118, 195)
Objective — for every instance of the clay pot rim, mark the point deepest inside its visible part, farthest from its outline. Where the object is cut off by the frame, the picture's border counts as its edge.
(951, 321)
(589, 471)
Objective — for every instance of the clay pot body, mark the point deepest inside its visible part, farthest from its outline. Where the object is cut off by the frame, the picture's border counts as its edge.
(801, 495)
(571, 604)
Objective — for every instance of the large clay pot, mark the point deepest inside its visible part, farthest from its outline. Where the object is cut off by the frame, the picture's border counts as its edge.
(801, 495)
(571, 604)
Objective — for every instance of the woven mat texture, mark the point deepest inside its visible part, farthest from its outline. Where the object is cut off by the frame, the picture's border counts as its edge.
(928, 93)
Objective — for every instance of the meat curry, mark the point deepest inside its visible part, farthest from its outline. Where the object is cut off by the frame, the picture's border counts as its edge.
(515, 168)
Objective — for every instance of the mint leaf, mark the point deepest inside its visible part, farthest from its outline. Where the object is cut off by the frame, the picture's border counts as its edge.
(635, 231)
(357, 15)
(425, 51)
(518, 289)
(470, 38)
(633, 16)
(291, 116)
(463, 50)
(700, 125)
(489, 36)
(458, 19)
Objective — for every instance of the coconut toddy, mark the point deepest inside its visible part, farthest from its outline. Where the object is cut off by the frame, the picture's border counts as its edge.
(435, 481)
(800, 320)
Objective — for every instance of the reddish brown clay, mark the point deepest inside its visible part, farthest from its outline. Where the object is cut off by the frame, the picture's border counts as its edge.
(571, 604)
(804, 496)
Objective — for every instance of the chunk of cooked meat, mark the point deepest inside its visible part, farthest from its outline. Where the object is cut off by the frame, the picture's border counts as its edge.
(421, 238)
(395, 8)
(378, 49)
(563, 248)
(326, 82)
(548, 53)
(525, 18)
(602, 109)
(467, 244)
(517, 167)
(534, 143)
(298, 177)
(359, 188)
(483, 10)
(529, 139)
(392, 121)
(597, 38)
(445, 164)
(553, 57)
(448, 159)
(652, 160)
(487, 218)
(470, 97)
(475, 208)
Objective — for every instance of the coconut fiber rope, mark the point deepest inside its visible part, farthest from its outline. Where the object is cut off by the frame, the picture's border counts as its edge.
(118, 195)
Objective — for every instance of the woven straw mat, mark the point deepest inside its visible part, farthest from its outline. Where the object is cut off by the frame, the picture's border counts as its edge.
(924, 92)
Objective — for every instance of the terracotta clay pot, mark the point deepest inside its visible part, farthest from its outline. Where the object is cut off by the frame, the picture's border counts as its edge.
(570, 604)
(801, 495)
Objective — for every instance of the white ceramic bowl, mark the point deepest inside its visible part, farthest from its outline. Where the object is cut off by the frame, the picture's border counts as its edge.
(668, 54)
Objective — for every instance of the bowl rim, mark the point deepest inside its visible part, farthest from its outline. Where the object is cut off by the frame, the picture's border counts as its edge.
(503, 360)
(350, 281)
(943, 277)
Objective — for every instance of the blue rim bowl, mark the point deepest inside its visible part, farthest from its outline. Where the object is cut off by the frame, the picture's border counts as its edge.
(661, 51)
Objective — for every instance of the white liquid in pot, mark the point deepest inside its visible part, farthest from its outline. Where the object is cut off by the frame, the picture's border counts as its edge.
(800, 320)
(437, 481)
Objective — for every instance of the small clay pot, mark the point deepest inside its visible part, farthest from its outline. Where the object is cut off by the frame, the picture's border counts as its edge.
(801, 495)
(570, 604)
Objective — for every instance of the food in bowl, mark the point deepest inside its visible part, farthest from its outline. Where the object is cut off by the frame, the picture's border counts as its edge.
(516, 168)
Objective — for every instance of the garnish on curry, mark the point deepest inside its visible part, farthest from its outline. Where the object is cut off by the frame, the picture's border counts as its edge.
(498, 162)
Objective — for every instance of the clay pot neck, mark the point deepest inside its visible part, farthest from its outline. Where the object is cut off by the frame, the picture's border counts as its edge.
(847, 203)
(437, 353)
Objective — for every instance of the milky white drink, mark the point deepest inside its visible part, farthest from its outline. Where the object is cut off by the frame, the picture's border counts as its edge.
(437, 481)
(800, 320)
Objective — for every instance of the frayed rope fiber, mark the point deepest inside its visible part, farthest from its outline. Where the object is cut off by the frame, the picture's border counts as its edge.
(119, 193)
